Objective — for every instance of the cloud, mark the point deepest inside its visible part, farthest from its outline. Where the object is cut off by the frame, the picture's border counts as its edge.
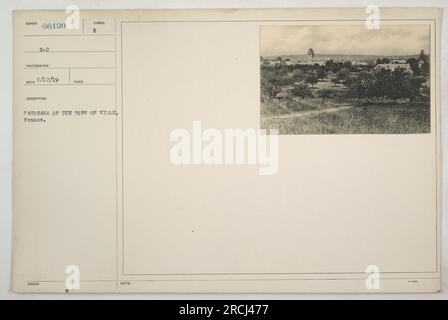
(342, 39)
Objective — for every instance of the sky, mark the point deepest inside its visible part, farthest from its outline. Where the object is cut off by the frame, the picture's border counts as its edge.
(387, 40)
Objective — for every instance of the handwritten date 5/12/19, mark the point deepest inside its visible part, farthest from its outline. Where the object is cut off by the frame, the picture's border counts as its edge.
(47, 79)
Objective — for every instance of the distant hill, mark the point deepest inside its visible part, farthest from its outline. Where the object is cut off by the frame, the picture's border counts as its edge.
(341, 57)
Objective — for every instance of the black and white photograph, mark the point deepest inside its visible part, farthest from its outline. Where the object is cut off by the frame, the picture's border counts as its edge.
(341, 79)
(224, 159)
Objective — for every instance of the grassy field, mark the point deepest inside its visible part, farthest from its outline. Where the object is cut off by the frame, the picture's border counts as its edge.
(326, 84)
(344, 110)
(337, 118)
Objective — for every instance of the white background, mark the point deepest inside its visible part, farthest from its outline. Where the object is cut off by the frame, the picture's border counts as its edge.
(6, 131)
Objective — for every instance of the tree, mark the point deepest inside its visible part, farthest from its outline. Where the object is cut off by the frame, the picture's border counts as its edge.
(311, 78)
(413, 64)
(301, 90)
(347, 64)
(325, 94)
(343, 75)
(320, 72)
(330, 66)
(273, 78)
(335, 80)
(270, 82)
(382, 84)
(423, 60)
(382, 61)
(422, 55)
(405, 85)
(311, 53)
(397, 84)
(298, 75)
(362, 86)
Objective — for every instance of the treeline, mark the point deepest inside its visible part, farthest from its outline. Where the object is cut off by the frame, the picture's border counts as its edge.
(397, 84)
(283, 80)
(329, 66)
(298, 83)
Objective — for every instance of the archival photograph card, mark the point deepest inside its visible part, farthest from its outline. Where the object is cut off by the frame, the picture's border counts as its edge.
(292, 150)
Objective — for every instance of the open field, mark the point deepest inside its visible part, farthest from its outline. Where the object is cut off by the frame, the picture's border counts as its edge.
(347, 119)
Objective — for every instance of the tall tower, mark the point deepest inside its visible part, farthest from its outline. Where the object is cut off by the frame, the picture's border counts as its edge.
(310, 53)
